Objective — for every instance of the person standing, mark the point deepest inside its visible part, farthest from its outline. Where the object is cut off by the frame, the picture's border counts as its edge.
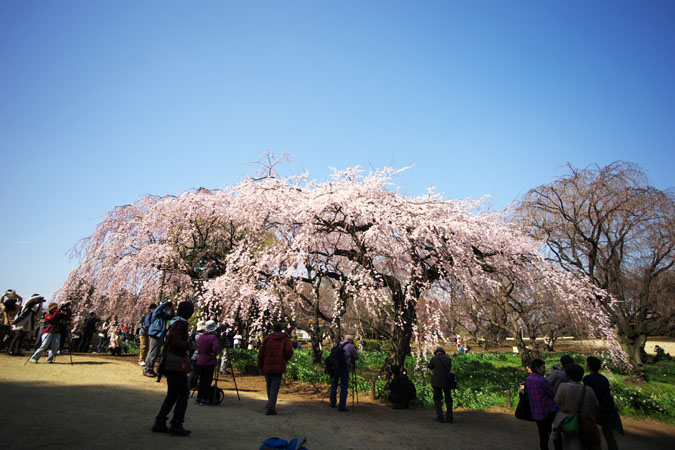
(600, 385)
(156, 333)
(275, 351)
(51, 337)
(237, 340)
(559, 375)
(341, 375)
(206, 362)
(440, 366)
(574, 397)
(541, 394)
(178, 386)
(143, 335)
(25, 322)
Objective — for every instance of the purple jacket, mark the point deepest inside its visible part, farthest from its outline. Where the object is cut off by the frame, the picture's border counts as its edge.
(541, 395)
(208, 349)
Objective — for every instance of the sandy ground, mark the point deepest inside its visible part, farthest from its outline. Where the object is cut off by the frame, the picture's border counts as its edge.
(101, 402)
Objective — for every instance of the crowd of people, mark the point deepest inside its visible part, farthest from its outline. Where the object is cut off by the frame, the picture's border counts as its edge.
(164, 335)
(565, 392)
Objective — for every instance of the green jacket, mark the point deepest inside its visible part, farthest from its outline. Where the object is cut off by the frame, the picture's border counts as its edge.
(439, 376)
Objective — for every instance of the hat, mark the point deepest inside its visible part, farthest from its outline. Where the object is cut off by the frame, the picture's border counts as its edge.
(200, 325)
(52, 306)
(349, 337)
(211, 325)
(439, 350)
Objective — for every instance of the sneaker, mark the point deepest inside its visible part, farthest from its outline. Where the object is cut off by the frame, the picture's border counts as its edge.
(179, 431)
(160, 427)
(32, 361)
(50, 362)
(142, 363)
(271, 412)
(149, 374)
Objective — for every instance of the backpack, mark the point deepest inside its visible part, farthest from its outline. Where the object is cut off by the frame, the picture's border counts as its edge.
(275, 443)
(336, 359)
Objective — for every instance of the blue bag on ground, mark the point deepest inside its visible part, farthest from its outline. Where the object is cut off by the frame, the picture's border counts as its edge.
(275, 443)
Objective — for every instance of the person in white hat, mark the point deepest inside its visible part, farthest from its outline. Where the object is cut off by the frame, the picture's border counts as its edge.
(206, 362)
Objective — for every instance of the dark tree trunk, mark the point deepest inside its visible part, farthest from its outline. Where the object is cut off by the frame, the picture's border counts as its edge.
(406, 314)
(634, 346)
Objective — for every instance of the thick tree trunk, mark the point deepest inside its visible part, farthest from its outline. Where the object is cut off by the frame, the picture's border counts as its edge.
(634, 346)
(402, 333)
(315, 334)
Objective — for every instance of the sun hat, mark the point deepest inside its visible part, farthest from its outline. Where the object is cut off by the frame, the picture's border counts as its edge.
(52, 306)
(201, 325)
(211, 325)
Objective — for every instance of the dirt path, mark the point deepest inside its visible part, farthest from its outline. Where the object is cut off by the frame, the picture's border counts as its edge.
(104, 403)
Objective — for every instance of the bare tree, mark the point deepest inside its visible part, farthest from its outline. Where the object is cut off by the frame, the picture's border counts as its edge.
(608, 223)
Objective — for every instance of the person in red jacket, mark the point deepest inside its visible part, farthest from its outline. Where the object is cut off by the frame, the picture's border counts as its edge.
(51, 336)
(274, 353)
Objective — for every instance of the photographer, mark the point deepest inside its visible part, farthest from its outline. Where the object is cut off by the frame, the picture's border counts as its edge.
(156, 333)
(401, 389)
(51, 337)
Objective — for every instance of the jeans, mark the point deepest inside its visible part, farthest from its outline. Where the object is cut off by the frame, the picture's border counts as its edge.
(342, 376)
(177, 393)
(50, 341)
(273, 382)
(153, 353)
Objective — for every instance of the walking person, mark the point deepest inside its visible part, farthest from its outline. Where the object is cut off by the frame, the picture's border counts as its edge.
(341, 375)
(606, 409)
(178, 387)
(88, 330)
(574, 397)
(51, 337)
(275, 351)
(541, 395)
(440, 366)
(206, 362)
(156, 332)
(144, 327)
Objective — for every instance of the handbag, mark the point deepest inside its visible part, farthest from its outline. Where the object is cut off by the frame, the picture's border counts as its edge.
(571, 423)
(172, 363)
(523, 409)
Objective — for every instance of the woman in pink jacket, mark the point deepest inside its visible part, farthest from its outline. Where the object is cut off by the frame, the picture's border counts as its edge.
(206, 362)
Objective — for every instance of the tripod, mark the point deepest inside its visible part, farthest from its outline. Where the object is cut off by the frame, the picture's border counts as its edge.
(355, 392)
(234, 379)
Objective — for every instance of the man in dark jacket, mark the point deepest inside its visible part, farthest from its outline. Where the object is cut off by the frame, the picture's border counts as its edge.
(178, 387)
(401, 389)
(440, 366)
(274, 353)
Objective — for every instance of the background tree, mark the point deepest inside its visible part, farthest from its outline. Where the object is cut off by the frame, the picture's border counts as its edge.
(608, 223)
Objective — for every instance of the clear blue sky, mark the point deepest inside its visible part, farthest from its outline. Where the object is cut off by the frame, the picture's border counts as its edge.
(103, 102)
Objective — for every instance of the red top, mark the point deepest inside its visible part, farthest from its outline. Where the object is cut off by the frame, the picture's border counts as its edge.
(275, 350)
(52, 320)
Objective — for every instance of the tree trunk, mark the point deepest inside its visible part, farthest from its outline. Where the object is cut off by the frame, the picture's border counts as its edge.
(402, 333)
(315, 334)
(634, 346)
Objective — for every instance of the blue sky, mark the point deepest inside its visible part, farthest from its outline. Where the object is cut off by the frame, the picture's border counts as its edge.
(104, 102)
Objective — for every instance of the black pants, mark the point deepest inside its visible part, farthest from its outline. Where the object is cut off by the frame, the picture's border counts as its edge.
(439, 392)
(544, 427)
(177, 393)
(205, 378)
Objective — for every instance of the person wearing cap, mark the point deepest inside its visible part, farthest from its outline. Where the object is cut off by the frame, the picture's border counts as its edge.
(51, 337)
(25, 322)
(156, 332)
(143, 335)
(275, 351)
(342, 375)
(206, 362)
(440, 366)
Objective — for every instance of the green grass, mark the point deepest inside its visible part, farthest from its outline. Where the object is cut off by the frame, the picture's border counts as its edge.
(484, 379)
